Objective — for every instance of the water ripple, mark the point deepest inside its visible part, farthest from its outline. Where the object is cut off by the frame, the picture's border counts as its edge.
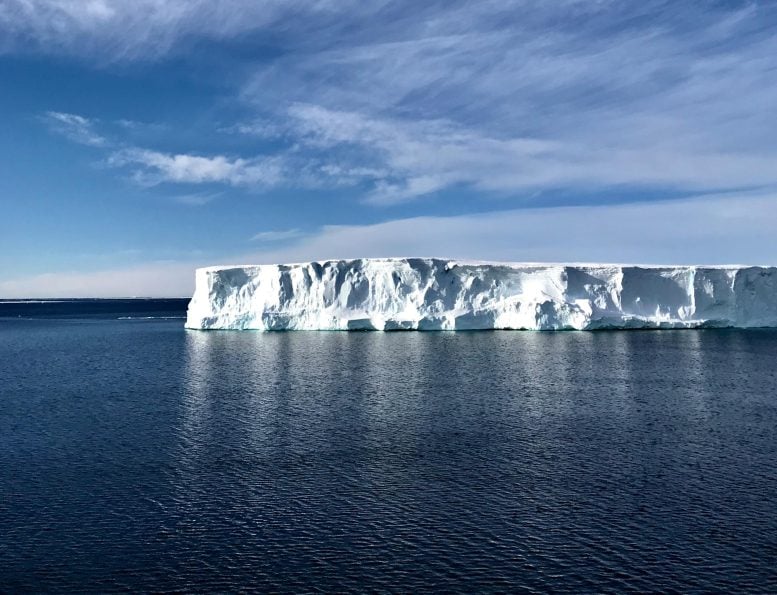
(145, 458)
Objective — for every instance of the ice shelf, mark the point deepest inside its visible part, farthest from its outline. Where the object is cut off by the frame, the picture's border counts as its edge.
(440, 294)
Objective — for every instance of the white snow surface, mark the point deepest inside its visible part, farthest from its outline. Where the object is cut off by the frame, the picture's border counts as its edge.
(439, 294)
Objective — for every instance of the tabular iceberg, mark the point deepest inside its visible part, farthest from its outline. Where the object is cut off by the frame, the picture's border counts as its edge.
(436, 294)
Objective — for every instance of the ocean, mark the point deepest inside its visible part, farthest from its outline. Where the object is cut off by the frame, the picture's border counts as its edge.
(136, 455)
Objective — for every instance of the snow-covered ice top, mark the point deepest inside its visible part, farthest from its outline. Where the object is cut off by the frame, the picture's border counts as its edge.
(437, 294)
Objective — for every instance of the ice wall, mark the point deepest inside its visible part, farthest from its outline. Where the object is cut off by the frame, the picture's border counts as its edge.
(435, 294)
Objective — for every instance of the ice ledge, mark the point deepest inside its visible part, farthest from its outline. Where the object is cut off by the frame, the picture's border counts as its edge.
(444, 294)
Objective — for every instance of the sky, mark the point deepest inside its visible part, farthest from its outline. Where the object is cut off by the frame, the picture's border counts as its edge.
(140, 140)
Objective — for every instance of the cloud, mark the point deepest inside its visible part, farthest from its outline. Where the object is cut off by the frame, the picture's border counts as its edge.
(150, 168)
(117, 30)
(713, 229)
(172, 279)
(502, 97)
(74, 127)
(277, 236)
(153, 167)
(400, 160)
(196, 199)
(709, 229)
(508, 97)
(135, 126)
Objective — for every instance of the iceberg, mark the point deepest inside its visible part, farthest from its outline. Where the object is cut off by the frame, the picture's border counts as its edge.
(438, 294)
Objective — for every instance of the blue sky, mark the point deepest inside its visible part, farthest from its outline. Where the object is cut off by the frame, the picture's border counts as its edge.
(142, 139)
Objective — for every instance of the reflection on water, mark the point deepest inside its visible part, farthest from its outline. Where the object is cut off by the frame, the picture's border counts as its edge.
(387, 461)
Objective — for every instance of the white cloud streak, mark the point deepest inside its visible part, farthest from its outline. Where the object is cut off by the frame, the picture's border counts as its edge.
(400, 100)
(78, 129)
(277, 235)
(715, 229)
(196, 199)
(153, 167)
(507, 97)
(121, 30)
(710, 229)
(421, 157)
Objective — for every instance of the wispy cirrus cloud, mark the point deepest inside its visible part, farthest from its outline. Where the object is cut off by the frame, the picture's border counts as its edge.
(399, 160)
(153, 167)
(506, 97)
(149, 167)
(196, 199)
(503, 97)
(120, 31)
(76, 128)
(277, 235)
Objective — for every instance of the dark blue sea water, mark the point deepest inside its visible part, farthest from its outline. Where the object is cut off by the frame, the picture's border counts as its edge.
(135, 455)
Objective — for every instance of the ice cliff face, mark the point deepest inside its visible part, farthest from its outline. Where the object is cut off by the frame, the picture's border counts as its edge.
(432, 294)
